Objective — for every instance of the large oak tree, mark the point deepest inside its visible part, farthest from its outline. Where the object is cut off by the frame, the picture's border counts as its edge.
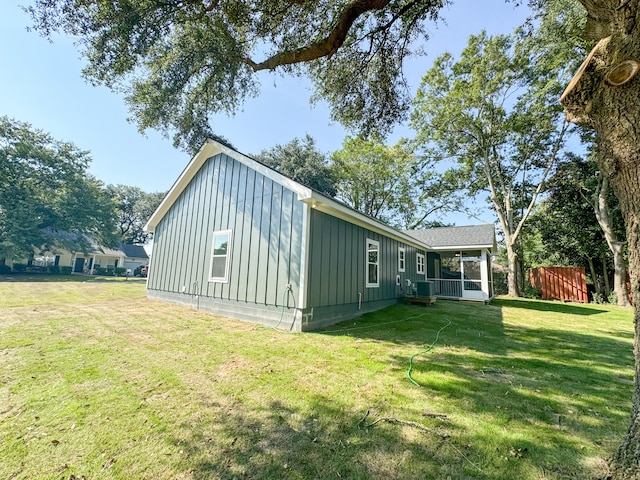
(133, 208)
(605, 95)
(181, 60)
(301, 160)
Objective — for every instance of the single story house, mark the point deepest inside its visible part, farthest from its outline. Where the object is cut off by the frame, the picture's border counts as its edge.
(90, 258)
(234, 237)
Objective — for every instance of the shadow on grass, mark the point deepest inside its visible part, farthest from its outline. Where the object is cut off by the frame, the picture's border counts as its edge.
(557, 388)
(547, 306)
(481, 326)
(279, 441)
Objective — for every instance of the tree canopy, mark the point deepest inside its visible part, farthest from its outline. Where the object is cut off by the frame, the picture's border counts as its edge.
(566, 224)
(493, 112)
(179, 62)
(391, 183)
(300, 160)
(133, 208)
(45, 190)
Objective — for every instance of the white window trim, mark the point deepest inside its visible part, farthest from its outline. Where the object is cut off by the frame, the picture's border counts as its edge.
(402, 259)
(377, 245)
(225, 278)
(419, 270)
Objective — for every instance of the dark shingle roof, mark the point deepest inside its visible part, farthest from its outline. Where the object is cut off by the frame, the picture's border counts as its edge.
(469, 236)
(133, 251)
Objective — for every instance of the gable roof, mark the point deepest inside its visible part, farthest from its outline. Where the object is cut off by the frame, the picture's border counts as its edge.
(305, 194)
(450, 238)
(133, 251)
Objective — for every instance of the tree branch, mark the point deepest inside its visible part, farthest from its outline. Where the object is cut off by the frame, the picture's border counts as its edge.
(552, 160)
(327, 46)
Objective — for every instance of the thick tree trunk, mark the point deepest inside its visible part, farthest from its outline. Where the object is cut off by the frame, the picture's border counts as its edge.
(603, 214)
(513, 275)
(597, 97)
(605, 276)
(626, 461)
(594, 276)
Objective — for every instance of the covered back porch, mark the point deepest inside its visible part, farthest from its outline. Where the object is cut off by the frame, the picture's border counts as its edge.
(461, 274)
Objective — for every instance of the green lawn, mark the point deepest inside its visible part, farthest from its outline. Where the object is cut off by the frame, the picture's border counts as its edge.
(96, 381)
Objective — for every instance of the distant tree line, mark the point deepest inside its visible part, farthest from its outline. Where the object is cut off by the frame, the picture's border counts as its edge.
(49, 201)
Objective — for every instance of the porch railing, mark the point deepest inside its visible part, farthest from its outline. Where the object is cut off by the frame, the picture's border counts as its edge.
(447, 288)
(453, 288)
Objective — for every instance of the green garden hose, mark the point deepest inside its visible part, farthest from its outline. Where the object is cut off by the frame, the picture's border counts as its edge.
(422, 352)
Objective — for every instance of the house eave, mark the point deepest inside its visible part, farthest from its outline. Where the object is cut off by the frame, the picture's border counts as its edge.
(445, 248)
(331, 207)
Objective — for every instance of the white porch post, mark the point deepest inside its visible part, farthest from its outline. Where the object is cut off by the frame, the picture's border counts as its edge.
(93, 264)
(484, 278)
(493, 285)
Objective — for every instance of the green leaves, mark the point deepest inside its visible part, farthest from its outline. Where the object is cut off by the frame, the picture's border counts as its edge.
(301, 161)
(180, 62)
(389, 183)
(491, 115)
(44, 188)
(134, 207)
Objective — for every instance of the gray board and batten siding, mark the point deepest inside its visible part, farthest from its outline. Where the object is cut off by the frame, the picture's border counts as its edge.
(266, 223)
(337, 283)
(295, 258)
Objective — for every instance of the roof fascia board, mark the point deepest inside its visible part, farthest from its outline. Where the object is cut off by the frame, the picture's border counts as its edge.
(338, 210)
(461, 247)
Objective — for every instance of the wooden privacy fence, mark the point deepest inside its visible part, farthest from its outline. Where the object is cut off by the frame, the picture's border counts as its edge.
(560, 283)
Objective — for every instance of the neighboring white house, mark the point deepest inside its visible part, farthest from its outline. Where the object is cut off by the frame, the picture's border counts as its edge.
(90, 259)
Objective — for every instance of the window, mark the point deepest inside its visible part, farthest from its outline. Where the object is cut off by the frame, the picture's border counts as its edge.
(401, 259)
(373, 262)
(220, 256)
(420, 263)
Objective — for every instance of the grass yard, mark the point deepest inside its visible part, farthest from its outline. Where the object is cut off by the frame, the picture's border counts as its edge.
(98, 382)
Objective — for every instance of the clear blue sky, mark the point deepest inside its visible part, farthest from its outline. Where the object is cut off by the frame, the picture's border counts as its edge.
(41, 83)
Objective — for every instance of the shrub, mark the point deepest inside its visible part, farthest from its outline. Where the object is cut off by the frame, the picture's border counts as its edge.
(19, 267)
(54, 269)
(4, 269)
(612, 298)
(500, 283)
(100, 271)
(119, 272)
(598, 298)
(532, 292)
(66, 270)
